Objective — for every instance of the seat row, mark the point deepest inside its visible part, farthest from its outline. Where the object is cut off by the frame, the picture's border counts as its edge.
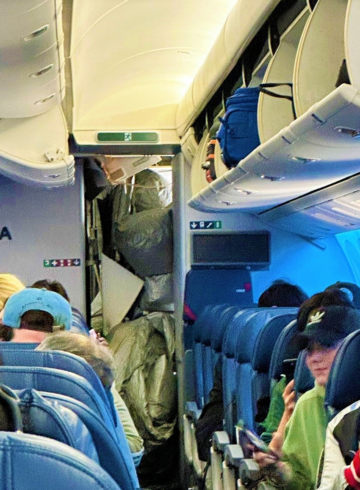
(62, 398)
(251, 345)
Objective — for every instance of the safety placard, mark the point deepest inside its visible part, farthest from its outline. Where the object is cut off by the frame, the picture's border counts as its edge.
(62, 263)
(205, 225)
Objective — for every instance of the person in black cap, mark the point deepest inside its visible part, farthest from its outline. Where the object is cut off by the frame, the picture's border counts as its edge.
(296, 466)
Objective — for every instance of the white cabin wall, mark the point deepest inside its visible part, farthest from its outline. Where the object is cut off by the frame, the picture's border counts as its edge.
(44, 224)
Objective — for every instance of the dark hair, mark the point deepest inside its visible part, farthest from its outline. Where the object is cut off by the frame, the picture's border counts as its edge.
(54, 286)
(329, 297)
(282, 293)
(38, 320)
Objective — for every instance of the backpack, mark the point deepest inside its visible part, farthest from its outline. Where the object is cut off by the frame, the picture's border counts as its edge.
(238, 134)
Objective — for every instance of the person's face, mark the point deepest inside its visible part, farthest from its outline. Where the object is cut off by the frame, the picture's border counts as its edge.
(319, 360)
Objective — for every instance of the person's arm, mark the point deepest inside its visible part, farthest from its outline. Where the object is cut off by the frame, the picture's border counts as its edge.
(277, 441)
(332, 476)
(132, 436)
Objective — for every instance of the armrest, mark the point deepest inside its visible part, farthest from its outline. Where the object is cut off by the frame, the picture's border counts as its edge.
(249, 472)
(192, 411)
(220, 440)
(233, 455)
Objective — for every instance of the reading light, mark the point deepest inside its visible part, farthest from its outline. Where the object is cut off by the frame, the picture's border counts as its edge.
(42, 101)
(42, 71)
(36, 33)
(242, 191)
(305, 160)
(354, 133)
(228, 203)
(271, 177)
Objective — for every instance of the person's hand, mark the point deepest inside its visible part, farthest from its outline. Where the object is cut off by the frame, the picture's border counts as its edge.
(95, 335)
(289, 397)
(265, 459)
(352, 472)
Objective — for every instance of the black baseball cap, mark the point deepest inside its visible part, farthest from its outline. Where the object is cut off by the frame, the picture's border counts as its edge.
(327, 325)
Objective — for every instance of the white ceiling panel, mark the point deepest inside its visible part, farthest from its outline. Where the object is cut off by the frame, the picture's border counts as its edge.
(136, 58)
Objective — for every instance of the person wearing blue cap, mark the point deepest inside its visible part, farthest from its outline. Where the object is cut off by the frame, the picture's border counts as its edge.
(33, 313)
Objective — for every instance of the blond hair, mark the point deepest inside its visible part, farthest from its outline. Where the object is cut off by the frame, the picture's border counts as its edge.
(9, 284)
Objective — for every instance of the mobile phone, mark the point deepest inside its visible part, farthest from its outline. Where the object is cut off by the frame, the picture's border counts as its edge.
(250, 442)
(288, 369)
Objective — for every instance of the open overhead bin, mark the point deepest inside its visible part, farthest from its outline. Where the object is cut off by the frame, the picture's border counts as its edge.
(319, 148)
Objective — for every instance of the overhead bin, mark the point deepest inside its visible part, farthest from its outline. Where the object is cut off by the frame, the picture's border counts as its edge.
(319, 148)
(352, 41)
(34, 150)
(32, 57)
(276, 113)
(320, 54)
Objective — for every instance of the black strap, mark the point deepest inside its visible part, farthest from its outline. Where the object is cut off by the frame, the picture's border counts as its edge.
(10, 398)
(263, 87)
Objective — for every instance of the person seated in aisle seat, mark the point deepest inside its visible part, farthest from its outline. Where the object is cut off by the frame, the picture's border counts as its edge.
(99, 357)
(31, 314)
(9, 284)
(78, 323)
(278, 416)
(281, 294)
(295, 467)
(341, 466)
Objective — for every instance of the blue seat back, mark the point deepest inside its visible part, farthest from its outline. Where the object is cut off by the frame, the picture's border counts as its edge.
(253, 355)
(343, 387)
(222, 286)
(218, 320)
(231, 335)
(201, 324)
(56, 381)
(284, 349)
(57, 465)
(304, 380)
(114, 455)
(56, 360)
(5, 346)
(50, 419)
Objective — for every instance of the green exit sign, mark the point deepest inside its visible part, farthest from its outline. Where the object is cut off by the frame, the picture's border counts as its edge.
(128, 137)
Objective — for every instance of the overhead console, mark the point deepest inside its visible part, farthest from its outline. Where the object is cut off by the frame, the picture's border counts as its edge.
(319, 144)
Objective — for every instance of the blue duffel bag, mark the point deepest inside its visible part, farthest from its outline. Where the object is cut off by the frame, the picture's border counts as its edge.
(238, 134)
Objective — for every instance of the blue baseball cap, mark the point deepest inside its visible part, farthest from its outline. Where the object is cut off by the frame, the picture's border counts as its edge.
(37, 299)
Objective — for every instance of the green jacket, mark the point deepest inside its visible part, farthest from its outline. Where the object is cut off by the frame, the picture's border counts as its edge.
(276, 409)
(305, 438)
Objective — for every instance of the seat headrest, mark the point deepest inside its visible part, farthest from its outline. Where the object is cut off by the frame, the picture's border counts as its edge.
(56, 381)
(56, 360)
(57, 466)
(304, 380)
(283, 349)
(212, 323)
(343, 387)
(217, 335)
(114, 453)
(203, 319)
(258, 338)
(234, 331)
